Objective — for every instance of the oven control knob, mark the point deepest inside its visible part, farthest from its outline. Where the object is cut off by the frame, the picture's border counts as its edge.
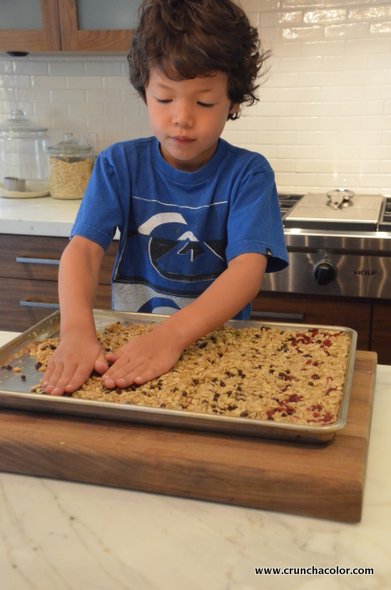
(324, 273)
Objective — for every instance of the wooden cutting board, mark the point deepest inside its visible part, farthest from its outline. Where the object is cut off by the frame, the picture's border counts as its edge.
(324, 481)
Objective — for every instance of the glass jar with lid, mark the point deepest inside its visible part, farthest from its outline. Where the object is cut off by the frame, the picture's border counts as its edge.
(71, 163)
(24, 169)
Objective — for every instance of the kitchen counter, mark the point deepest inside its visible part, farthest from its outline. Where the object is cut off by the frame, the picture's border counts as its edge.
(67, 536)
(42, 216)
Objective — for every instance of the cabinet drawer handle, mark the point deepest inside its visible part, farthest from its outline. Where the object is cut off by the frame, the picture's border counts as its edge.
(275, 315)
(41, 304)
(27, 260)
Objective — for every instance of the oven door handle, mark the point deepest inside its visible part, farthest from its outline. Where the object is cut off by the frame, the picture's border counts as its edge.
(275, 315)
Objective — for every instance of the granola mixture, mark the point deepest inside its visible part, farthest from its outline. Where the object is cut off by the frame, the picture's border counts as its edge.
(68, 178)
(264, 373)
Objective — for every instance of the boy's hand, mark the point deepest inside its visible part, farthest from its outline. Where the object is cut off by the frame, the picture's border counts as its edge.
(71, 365)
(142, 359)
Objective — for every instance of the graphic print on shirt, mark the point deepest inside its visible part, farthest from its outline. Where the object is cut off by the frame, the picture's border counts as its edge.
(182, 258)
(167, 250)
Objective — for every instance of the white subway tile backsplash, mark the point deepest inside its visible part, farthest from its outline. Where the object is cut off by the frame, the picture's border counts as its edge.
(367, 181)
(47, 83)
(246, 124)
(66, 68)
(94, 123)
(324, 15)
(338, 93)
(84, 82)
(373, 123)
(344, 63)
(294, 65)
(362, 108)
(378, 152)
(371, 167)
(76, 122)
(324, 118)
(347, 31)
(299, 181)
(340, 179)
(6, 67)
(281, 165)
(102, 68)
(380, 61)
(40, 95)
(323, 166)
(288, 94)
(381, 28)
(117, 83)
(316, 138)
(371, 46)
(28, 67)
(291, 17)
(367, 13)
(307, 33)
(15, 81)
(376, 92)
(295, 123)
(107, 96)
(66, 96)
(361, 137)
(319, 79)
(255, 6)
(86, 108)
(385, 167)
(324, 48)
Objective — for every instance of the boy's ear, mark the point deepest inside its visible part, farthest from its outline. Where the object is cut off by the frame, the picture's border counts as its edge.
(234, 109)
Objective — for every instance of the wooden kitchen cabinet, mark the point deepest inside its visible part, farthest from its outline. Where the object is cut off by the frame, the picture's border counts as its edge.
(43, 33)
(28, 279)
(23, 302)
(381, 331)
(68, 25)
(92, 25)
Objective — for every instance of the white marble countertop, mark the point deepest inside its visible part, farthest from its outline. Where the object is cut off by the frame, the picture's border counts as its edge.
(41, 216)
(66, 536)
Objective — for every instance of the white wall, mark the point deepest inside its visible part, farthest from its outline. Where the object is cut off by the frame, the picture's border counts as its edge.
(324, 119)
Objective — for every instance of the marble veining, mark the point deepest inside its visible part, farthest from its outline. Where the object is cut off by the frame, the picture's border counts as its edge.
(60, 535)
(43, 216)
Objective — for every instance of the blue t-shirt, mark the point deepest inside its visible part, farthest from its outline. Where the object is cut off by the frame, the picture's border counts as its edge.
(178, 230)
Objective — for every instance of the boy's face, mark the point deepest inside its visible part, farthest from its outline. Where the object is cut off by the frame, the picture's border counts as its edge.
(188, 116)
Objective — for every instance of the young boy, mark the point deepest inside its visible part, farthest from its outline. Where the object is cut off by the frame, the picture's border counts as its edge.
(199, 219)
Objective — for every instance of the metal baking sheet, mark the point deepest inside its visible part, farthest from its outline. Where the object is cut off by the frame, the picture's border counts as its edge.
(15, 387)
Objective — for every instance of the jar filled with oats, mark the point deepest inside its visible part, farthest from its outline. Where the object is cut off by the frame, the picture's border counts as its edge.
(71, 164)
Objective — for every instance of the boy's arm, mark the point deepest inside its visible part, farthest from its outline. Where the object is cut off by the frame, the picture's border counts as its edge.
(226, 296)
(151, 355)
(79, 351)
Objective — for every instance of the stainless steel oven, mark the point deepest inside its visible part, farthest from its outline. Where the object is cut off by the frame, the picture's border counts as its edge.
(338, 243)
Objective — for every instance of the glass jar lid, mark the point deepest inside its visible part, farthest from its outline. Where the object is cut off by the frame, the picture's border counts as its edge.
(70, 147)
(18, 125)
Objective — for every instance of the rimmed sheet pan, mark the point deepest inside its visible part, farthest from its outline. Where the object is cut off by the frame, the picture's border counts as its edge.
(15, 388)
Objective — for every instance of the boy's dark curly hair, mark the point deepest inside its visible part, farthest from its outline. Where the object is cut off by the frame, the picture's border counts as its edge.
(191, 38)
